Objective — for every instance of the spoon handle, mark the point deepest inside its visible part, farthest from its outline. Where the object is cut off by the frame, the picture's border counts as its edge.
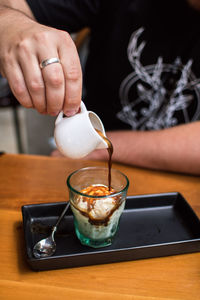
(61, 216)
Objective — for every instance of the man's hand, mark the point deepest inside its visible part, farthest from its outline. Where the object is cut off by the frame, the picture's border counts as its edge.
(24, 44)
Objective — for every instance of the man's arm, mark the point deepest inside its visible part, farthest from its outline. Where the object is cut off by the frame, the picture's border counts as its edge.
(175, 149)
(24, 43)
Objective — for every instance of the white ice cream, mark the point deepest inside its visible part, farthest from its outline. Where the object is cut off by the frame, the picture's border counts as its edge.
(101, 208)
(98, 232)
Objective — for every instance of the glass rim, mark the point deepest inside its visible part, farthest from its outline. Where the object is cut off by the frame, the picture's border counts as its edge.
(97, 197)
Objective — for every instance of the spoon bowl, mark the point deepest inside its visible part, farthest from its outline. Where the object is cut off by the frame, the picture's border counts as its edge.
(47, 247)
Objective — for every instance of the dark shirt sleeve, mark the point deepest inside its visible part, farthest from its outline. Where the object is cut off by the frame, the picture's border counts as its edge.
(69, 15)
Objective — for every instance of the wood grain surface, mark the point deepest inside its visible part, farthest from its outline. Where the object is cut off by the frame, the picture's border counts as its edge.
(26, 179)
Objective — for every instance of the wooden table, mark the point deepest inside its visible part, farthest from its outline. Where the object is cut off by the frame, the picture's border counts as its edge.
(35, 179)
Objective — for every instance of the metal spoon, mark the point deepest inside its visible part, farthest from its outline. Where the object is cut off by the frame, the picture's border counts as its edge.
(47, 247)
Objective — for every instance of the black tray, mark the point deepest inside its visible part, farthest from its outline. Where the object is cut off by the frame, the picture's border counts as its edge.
(151, 226)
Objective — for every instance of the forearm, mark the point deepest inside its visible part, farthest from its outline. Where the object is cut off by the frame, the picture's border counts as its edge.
(19, 7)
(174, 149)
(13, 13)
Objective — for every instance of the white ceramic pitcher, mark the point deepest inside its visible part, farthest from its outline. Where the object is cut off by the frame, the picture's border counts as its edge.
(76, 136)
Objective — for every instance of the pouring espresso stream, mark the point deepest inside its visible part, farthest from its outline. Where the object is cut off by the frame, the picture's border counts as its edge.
(110, 153)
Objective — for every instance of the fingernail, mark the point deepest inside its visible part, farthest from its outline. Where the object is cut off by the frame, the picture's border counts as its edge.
(70, 113)
(44, 113)
(54, 113)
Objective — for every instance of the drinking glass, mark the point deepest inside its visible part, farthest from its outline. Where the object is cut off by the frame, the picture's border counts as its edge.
(96, 218)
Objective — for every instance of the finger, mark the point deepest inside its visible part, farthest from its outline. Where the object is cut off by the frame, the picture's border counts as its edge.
(53, 77)
(46, 86)
(54, 86)
(73, 78)
(17, 84)
(34, 81)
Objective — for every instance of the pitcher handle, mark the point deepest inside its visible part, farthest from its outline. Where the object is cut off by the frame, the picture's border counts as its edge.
(59, 118)
(61, 114)
(83, 107)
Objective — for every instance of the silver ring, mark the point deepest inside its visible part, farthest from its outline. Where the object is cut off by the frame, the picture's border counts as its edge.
(49, 61)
